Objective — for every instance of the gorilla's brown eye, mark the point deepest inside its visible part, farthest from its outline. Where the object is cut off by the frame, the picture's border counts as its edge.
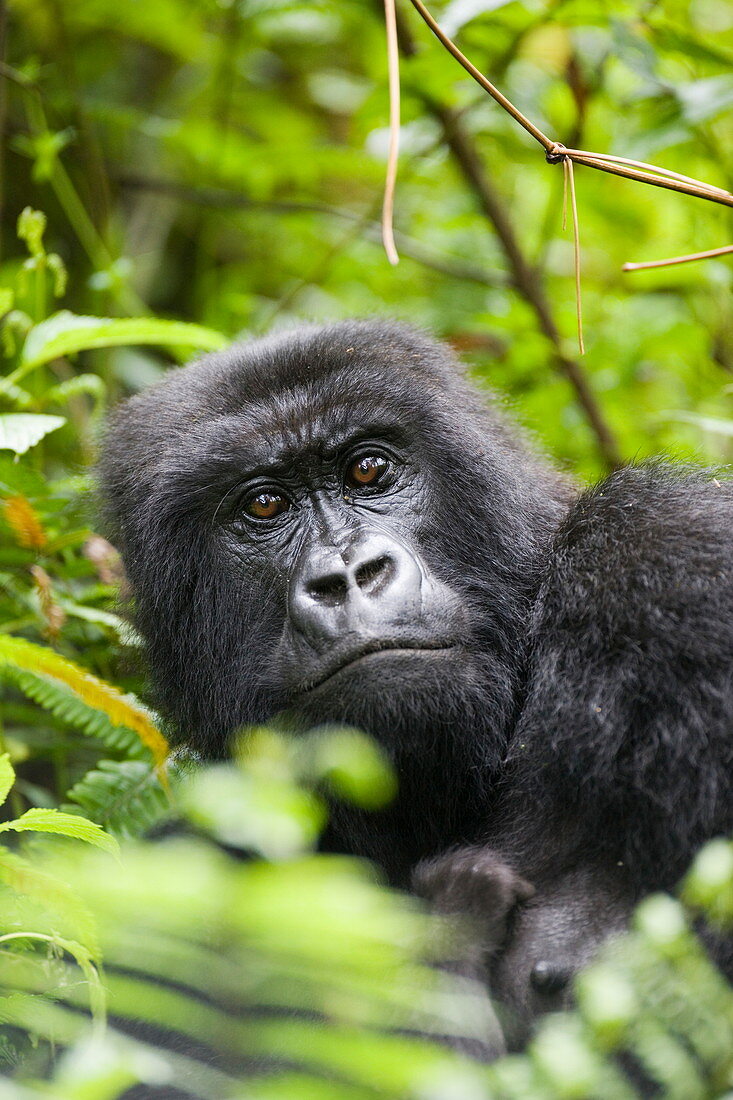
(267, 505)
(366, 471)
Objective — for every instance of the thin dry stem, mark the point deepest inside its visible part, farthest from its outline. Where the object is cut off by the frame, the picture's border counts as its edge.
(565, 164)
(390, 183)
(524, 277)
(479, 77)
(570, 177)
(725, 250)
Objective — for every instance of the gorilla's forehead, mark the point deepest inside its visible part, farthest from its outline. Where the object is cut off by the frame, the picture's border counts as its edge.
(300, 396)
(312, 422)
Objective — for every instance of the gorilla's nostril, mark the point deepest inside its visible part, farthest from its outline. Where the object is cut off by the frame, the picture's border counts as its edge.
(329, 589)
(378, 569)
(549, 978)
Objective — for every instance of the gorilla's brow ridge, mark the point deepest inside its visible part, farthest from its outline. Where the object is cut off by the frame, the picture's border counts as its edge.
(294, 428)
(322, 448)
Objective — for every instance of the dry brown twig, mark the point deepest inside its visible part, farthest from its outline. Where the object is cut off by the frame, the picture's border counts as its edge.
(520, 272)
(556, 153)
(569, 185)
(393, 58)
(708, 255)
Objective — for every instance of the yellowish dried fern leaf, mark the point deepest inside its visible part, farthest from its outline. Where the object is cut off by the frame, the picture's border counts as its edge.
(120, 709)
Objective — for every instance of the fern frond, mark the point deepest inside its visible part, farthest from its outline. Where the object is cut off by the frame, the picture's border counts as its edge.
(122, 710)
(125, 796)
(63, 704)
(41, 820)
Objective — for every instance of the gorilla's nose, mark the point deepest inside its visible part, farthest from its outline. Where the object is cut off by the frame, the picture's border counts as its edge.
(367, 588)
(371, 573)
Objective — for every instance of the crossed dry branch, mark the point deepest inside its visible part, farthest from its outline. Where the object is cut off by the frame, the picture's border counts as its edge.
(557, 153)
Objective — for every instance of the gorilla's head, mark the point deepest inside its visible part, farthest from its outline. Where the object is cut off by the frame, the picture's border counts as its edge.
(333, 523)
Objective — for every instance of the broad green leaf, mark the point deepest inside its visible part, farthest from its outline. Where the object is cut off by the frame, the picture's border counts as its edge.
(460, 12)
(21, 431)
(55, 821)
(90, 384)
(83, 959)
(7, 776)
(102, 618)
(66, 333)
(69, 914)
(713, 424)
(352, 765)
(705, 99)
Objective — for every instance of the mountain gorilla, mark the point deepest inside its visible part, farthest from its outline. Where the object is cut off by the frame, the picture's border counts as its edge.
(336, 524)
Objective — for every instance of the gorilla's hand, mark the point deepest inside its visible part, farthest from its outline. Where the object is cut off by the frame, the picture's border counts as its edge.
(475, 883)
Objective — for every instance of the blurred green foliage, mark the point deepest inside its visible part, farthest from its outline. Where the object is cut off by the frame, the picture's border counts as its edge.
(211, 169)
(299, 977)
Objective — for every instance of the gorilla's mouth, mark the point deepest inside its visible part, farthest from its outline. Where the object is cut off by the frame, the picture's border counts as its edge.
(371, 651)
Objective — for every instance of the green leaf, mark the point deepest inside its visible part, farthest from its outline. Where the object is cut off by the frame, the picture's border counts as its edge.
(713, 424)
(7, 776)
(18, 656)
(68, 913)
(460, 12)
(21, 431)
(351, 765)
(706, 99)
(125, 796)
(56, 821)
(102, 618)
(66, 333)
(90, 384)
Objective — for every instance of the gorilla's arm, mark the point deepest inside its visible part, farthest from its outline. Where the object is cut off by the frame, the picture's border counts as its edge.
(627, 728)
(526, 946)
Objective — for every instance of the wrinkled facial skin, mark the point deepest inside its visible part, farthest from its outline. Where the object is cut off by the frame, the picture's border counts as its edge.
(335, 517)
(339, 526)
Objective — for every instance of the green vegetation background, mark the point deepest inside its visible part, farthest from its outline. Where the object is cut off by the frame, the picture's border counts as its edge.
(213, 169)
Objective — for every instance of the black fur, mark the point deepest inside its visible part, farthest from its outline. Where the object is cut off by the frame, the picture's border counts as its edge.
(585, 715)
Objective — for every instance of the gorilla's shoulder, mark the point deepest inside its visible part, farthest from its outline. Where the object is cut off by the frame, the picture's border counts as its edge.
(629, 699)
(657, 514)
(647, 552)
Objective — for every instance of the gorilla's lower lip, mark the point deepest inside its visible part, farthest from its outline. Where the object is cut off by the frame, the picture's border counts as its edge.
(376, 651)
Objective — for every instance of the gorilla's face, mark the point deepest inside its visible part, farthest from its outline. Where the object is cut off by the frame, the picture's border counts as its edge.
(336, 508)
(330, 523)
(331, 519)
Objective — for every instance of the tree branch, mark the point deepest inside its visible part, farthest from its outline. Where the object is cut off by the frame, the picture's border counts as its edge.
(523, 276)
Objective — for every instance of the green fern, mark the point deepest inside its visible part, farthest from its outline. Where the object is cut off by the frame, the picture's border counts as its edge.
(17, 655)
(125, 796)
(69, 708)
